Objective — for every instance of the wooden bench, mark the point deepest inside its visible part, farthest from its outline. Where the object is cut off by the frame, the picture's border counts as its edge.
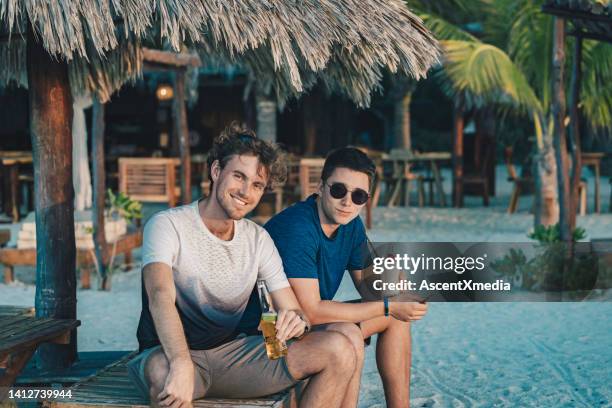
(111, 387)
(6, 310)
(12, 257)
(20, 336)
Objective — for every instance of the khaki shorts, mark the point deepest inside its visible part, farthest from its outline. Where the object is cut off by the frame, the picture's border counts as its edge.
(238, 369)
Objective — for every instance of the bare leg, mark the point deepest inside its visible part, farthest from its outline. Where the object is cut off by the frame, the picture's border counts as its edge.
(328, 358)
(353, 333)
(393, 357)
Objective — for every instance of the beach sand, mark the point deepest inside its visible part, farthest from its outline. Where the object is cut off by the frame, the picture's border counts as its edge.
(464, 355)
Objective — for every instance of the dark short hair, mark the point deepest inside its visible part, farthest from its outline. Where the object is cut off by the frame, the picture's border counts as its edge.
(238, 140)
(350, 158)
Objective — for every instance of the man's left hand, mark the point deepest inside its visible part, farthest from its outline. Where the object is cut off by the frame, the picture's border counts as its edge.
(290, 324)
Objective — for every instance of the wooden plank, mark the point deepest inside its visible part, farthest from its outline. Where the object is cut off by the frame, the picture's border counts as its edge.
(6, 310)
(9, 327)
(48, 332)
(87, 364)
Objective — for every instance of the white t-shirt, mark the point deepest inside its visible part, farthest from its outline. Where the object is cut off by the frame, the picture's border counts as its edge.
(213, 278)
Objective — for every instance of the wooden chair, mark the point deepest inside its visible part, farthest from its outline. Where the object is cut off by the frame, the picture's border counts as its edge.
(149, 179)
(310, 176)
(480, 178)
(522, 184)
(402, 176)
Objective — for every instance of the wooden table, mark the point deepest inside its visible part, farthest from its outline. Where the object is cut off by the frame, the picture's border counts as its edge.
(10, 165)
(20, 336)
(593, 159)
(401, 163)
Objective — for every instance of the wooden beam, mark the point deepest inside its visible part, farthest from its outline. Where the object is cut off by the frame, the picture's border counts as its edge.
(99, 190)
(559, 138)
(576, 14)
(588, 35)
(171, 58)
(181, 130)
(50, 129)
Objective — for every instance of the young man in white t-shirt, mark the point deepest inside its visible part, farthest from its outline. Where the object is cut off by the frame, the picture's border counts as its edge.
(200, 265)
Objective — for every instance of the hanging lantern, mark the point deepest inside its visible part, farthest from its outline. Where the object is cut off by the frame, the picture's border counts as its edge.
(164, 92)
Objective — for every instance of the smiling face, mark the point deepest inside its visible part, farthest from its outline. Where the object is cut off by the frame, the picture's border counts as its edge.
(341, 210)
(238, 186)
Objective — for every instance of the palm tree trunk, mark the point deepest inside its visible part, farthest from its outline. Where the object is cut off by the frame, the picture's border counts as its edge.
(546, 210)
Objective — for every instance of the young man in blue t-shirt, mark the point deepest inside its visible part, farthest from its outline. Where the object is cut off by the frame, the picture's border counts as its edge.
(322, 237)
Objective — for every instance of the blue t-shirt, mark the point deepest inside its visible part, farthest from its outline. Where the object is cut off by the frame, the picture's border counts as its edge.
(308, 253)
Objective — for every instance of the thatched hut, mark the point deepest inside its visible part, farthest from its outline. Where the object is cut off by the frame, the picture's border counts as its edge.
(62, 48)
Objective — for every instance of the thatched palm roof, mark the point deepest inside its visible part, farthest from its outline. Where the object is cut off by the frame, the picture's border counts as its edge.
(285, 44)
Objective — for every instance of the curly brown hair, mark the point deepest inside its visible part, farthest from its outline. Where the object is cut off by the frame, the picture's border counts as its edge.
(238, 139)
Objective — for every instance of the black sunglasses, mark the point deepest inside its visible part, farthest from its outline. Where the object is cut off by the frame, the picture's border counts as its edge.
(339, 190)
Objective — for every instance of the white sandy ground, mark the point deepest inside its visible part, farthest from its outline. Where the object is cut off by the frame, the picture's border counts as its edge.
(464, 355)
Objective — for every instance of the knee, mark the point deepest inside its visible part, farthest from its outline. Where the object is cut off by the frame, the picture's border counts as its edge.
(156, 371)
(355, 337)
(341, 353)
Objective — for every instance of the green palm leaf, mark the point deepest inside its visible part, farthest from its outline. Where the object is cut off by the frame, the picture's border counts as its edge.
(443, 30)
(481, 73)
(596, 92)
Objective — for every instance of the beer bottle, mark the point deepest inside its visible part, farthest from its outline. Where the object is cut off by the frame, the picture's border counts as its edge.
(274, 347)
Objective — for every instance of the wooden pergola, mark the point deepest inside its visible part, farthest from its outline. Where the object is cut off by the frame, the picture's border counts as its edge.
(587, 20)
(153, 61)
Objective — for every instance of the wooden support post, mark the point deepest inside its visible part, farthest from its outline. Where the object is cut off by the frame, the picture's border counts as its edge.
(575, 132)
(99, 193)
(558, 109)
(401, 121)
(458, 156)
(266, 116)
(50, 129)
(181, 130)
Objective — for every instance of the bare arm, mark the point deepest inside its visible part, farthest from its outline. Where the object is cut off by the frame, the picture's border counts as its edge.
(161, 291)
(327, 311)
(292, 321)
(162, 297)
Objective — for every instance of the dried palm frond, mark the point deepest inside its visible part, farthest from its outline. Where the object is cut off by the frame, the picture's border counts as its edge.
(288, 43)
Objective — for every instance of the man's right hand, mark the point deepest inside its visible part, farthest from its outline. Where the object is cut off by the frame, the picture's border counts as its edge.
(407, 311)
(178, 389)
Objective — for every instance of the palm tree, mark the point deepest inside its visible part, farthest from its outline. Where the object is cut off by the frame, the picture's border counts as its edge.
(511, 68)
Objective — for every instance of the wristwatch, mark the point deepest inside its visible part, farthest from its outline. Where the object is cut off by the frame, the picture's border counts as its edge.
(306, 329)
(386, 303)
